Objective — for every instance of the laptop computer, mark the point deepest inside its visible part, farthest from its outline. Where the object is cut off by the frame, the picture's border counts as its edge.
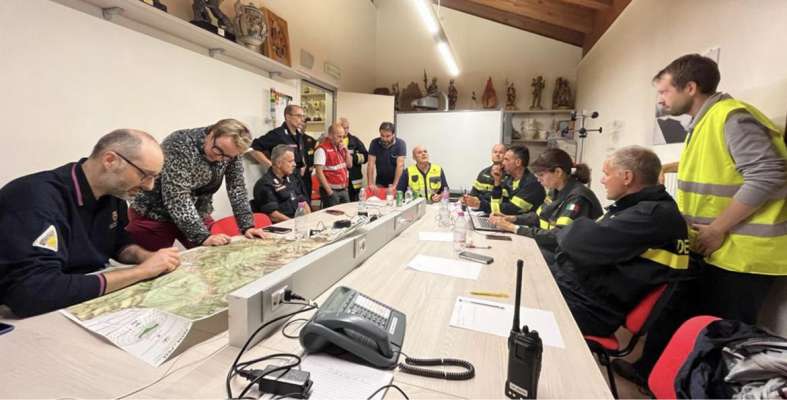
(481, 223)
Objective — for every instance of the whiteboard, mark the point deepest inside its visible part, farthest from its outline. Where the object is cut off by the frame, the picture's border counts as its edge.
(459, 141)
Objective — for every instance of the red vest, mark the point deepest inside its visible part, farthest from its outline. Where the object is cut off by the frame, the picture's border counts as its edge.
(335, 168)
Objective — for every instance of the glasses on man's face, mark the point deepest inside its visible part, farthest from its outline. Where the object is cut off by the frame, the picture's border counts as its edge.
(297, 115)
(146, 176)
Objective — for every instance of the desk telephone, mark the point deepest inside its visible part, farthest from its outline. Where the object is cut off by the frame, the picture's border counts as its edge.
(358, 324)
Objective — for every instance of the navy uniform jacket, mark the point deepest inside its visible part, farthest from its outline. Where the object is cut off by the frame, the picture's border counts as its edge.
(515, 196)
(54, 232)
(282, 135)
(275, 194)
(640, 243)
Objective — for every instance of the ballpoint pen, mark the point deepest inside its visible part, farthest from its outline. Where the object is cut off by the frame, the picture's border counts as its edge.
(489, 294)
(472, 246)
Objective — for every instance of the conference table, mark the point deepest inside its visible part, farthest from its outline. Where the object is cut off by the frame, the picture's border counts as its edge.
(49, 356)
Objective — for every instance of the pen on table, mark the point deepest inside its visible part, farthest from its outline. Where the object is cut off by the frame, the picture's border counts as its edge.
(489, 294)
(473, 246)
(482, 304)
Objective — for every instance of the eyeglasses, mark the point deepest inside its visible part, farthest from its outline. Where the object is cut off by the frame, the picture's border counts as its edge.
(297, 115)
(219, 152)
(146, 176)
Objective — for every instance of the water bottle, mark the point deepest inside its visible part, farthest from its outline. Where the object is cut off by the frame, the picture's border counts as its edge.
(362, 202)
(444, 214)
(300, 224)
(408, 195)
(460, 231)
(444, 196)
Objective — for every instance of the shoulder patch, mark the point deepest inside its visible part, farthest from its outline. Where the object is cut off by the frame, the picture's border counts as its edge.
(47, 240)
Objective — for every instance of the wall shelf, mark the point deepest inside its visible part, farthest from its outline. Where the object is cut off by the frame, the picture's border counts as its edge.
(152, 17)
(530, 112)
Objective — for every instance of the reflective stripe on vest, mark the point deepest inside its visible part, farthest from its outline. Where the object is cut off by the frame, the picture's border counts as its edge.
(416, 180)
(707, 181)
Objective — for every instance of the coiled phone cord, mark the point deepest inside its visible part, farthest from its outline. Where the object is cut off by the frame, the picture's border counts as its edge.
(412, 366)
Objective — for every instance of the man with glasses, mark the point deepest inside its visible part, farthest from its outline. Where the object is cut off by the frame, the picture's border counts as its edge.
(179, 207)
(59, 228)
(290, 133)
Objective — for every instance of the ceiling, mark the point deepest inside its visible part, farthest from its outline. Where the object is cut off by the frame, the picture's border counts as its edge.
(577, 22)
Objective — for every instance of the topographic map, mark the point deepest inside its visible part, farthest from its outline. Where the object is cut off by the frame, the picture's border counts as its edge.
(150, 319)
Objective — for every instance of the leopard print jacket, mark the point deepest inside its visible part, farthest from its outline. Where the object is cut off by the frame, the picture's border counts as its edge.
(184, 192)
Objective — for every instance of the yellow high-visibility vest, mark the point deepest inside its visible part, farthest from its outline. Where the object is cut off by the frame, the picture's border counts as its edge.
(708, 180)
(416, 180)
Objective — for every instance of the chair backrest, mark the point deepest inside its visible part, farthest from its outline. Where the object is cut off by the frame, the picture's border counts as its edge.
(637, 318)
(662, 378)
(229, 226)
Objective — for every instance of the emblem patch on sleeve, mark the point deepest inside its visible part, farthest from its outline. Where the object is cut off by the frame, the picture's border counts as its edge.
(48, 239)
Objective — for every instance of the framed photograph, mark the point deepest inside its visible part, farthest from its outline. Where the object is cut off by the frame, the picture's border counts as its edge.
(277, 46)
(564, 129)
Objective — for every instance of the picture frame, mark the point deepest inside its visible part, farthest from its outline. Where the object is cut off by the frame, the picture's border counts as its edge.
(564, 129)
(277, 45)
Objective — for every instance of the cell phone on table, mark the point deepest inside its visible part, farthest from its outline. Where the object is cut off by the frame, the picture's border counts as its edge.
(335, 212)
(5, 328)
(479, 258)
(498, 237)
(276, 229)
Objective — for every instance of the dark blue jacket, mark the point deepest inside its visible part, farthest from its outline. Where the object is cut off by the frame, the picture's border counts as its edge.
(53, 233)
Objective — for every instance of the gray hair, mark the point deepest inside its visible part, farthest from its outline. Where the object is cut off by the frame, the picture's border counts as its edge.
(643, 162)
(279, 151)
(127, 142)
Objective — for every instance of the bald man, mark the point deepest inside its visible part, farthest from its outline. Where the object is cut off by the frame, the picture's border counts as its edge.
(425, 179)
(484, 183)
(331, 160)
(59, 228)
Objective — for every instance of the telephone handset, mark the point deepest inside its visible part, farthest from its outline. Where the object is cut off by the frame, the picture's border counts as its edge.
(358, 324)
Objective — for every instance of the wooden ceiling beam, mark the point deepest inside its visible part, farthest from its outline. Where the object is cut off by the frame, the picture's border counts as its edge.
(539, 27)
(552, 12)
(593, 4)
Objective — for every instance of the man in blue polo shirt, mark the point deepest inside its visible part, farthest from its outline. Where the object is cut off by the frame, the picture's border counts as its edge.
(59, 228)
(386, 159)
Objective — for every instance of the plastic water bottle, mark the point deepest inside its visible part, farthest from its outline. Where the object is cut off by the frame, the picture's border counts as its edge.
(408, 195)
(444, 196)
(444, 214)
(460, 231)
(301, 227)
(362, 202)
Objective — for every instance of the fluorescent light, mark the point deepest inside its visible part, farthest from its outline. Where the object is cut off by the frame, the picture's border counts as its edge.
(448, 58)
(427, 15)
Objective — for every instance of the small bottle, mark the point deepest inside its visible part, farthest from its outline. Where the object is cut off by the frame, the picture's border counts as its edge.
(444, 196)
(408, 195)
(399, 198)
(300, 224)
(460, 231)
(389, 199)
(362, 202)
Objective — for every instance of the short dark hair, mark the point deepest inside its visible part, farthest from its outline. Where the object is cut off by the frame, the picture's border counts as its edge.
(693, 68)
(521, 152)
(388, 126)
(290, 107)
(643, 162)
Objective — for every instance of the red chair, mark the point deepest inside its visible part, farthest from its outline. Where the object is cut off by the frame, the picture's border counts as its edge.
(380, 192)
(228, 226)
(661, 381)
(638, 321)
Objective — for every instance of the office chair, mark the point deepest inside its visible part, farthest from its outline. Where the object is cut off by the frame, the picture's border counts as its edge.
(228, 226)
(638, 321)
(661, 381)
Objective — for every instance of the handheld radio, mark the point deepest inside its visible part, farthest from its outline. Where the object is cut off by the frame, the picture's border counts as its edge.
(524, 353)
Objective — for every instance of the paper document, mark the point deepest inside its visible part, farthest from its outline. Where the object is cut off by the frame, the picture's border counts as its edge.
(496, 318)
(446, 266)
(436, 236)
(335, 378)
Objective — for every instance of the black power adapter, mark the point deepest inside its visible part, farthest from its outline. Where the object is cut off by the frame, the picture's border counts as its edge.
(288, 382)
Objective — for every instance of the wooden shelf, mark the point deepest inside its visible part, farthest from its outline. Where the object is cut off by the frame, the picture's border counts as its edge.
(142, 13)
(530, 112)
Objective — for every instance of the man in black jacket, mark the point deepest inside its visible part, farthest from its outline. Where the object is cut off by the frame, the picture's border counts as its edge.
(605, 267)
(359, 155)
(290, 133)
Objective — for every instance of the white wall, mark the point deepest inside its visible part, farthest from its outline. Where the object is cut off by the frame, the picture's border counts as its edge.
(483, 48)
(339, 31)
(70, 77)
(365, 112)
(615, 76)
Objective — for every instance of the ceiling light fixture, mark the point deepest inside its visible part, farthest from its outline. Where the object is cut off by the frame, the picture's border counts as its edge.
(435, 28)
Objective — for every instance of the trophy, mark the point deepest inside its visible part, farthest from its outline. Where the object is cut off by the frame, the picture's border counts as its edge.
(207, 10)
(250, 26)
